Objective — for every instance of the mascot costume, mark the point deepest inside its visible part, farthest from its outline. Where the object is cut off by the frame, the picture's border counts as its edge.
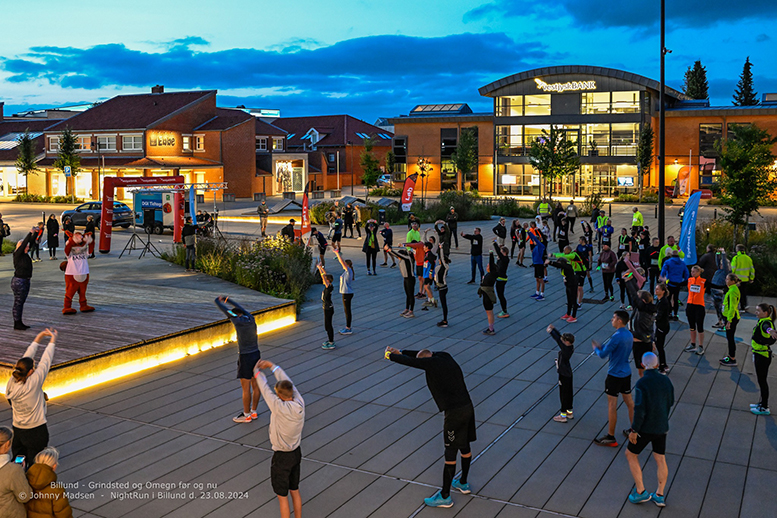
(76, 270)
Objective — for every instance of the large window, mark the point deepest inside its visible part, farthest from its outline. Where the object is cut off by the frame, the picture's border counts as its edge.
(709, 135)
(599, 103)
(400, 157)
(448, 143)
(54, 144)
(536, 105)
(625, 102)
(83, 144)
(510, 106)
(624, 139)
(509, 140)
(277, 144)
(106, 143)
(596, 138)
(261, 143)
(131, 143)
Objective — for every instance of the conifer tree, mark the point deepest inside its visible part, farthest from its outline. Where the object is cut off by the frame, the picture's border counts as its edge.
(744, 95)
(696, 85)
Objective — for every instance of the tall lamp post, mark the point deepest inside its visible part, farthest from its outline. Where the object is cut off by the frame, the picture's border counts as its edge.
(351, 144)
(662, 132)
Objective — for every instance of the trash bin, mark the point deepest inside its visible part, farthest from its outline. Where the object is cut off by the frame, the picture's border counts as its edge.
(260, 196)
(200, 198)
(229, 196)
(381, 216)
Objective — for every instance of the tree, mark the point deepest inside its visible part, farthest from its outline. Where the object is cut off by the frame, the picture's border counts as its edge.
(744, 95)
(696, 85)
(644, 153)
(391, 162)
(25, 160)
(554, 155)
(68, 156)
(465, 159)
(747, 173)
(370, 165)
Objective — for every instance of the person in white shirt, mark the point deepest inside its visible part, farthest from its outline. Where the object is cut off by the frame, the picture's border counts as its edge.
(27, 399)
(287, 417)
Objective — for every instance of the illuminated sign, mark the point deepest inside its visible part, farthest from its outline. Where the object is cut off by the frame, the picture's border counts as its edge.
(162, 140)
(565, 87)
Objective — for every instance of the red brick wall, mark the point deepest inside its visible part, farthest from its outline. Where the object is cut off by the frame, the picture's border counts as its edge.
(239, 157)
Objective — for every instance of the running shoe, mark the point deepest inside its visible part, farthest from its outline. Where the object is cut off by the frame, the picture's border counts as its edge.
(565, 317)
(622, 306)
(690, 348)
(426, 303)
(535, 295)
(606, 298)
(540, 298)
(328, 346)
(753, 405)
(663, 370)
(369, 272)
(561, 418)
(502, 314)
(629, 308)
(572, 320)
(639, 498)
(409, 314)
(254, 414)
(471, 282)
(760, 410)
(425, 308)
(546, 280)
(659, 500)
(489, 332)
(612, 299)
(242, 418)
(463, 488)
(442, 323)
(719, 325)
(384, 265)
(700, 350)
(403, 313)
(345, 331)
(580, 305)
(606, 440)
(438, 501)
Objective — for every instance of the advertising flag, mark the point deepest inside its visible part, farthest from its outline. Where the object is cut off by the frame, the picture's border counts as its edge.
(688, 233)
(407, 191)
(305, 213)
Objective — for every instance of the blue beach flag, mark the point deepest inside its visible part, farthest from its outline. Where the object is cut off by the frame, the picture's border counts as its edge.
(688, 234)
(192, 204)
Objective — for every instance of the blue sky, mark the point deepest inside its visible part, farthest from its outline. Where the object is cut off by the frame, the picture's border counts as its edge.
(367, 59)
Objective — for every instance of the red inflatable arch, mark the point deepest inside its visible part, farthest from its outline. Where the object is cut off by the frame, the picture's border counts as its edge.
(106, 216)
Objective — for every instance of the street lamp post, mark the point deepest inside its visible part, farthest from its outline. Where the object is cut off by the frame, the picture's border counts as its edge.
(351, 144)
(662, 132)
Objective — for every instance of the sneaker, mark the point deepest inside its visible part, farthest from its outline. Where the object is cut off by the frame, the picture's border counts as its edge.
(384, 265)
(539, 298)
(622, 306)
(663, 370)
(471, 282)
(572, 320)
(690, 348)
(728, 360)
(409, 314)
(369, 272)
(545, 280)
(612, 298)
(420, 296)
(639, 498)
(535, 295)
(760, 410)
(438, 501)
(561, 418)
(753, 405)
(327, 346)
(700, 350)
(425, 308)
(404, 313)
(606, 298)
(345, 331)
(580, 305)
(489, 332)
(442, 323)
(394, 265)
(629, 308)
(502, 314)
(254, 414)
(719, 325)
(564, 317)
(426, 304)
(659, 500)
(463, 488)
(606, 440)
(569, 415)
(242, 418)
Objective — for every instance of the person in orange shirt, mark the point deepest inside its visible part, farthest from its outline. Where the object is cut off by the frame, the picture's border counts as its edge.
(695, 310)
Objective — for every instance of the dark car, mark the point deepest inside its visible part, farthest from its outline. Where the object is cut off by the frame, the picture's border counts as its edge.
(122, 214)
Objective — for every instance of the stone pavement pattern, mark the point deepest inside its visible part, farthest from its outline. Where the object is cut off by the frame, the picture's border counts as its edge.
(372, 442)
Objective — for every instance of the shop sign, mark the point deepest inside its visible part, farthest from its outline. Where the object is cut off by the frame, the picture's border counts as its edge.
(570, 86)
(162, 140)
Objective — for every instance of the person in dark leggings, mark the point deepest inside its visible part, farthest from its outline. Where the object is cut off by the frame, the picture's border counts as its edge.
(502, 263)
(620, 268)
(764, 336)
(346, 290)
(570, 282)
(486, 290)
(406, 262)
(663, 310)
(515, 236)
(370, 247)
(695, 310)
(328, 307)
(731, 317)
(441, 281)
(20, 283)
(607, 262)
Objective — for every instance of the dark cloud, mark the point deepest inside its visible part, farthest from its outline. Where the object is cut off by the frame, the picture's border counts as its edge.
(762, 38)
(371, 72)
(630, 13)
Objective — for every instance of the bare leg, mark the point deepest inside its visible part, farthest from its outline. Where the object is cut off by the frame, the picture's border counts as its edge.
(612, 413)
(636, 471)
(701, 338)
(255, 395)
(693, 336)
(490, 315)
(630, 405)
(284, 504)
(246, 386)
(663, 473)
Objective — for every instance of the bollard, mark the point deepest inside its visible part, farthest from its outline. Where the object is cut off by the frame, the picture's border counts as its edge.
(715, 214)
(655, 212)
(610, 209)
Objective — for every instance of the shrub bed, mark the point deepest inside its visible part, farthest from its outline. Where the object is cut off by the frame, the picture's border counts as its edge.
(38, 198)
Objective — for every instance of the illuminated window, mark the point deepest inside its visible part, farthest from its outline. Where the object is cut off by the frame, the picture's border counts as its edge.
(261, 143)
(277, 144)
(186, 143)
(595, 103)
(106, 143)
(536, 105)
(596, 139)
(624, 139)
(510, 106)
(625, 102)
(131, 143)
(83, 144)
(199, 143)
(709, 134)
(54, 144)
(509, 140)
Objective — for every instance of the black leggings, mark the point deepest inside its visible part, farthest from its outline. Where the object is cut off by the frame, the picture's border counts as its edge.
(52, 251)
(572, 298)
(622, 286)
(347, 298)
(565, 392)
(732, 346)
(653, 274)
(660, 341)
(29, 442)
(674, 293)
(512, 248)
(34, 251)
(442, 295)
(761, 364)
(500, 292)
(348, 226)
(409, 293)
(372, 255)
(330, 331)
(607, 281)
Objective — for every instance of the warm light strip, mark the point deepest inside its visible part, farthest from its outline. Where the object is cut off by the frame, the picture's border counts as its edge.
(81, 380)
(275, 220)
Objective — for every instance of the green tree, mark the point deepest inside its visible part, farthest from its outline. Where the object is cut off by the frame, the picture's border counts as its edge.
(370, 165)
(26, 158)
(391, 162)
(644, 158)
(465, 159)
(747, 173)
(696, 85)
(68, 155)
(744, 95)
(554, 155)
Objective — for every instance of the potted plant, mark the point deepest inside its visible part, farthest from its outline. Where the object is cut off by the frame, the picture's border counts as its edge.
(593, 150)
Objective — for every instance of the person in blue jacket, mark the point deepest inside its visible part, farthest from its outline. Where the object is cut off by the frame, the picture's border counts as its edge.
(538, 261)
(606, 233)
(675, 273)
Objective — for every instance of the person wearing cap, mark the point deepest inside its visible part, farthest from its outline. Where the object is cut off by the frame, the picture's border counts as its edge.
(288, 230)
(264, 212)
(452, 220)
(653, 399)
(675, 273)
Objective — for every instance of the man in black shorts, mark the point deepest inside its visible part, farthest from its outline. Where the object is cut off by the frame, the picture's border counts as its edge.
(320, 242)
(446, 383)
(248, 347)
(653, 398)
(287, 418)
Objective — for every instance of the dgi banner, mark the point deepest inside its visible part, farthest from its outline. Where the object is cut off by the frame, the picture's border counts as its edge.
(407, 191)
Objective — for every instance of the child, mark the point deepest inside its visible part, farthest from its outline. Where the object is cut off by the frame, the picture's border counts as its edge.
(329, 309)
(538, 261)
(565, 391)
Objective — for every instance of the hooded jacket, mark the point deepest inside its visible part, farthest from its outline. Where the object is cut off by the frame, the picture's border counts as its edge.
(51, 502)
(675, 271)
(644, 314)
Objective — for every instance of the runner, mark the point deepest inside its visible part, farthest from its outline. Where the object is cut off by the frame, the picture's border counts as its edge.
(500, 231)
(370, 246)
(578, 266)
(625, 242)
(617, 349)
(449, 391)
(620, 268)
(388, 240)
(663, 310)
(264, 212)
(666, 251)
(419, 254)
(515, 236)
(538, 261)
(589, 234)
(652, 257)
(695, 310)
(406, 260)
(566, 345)
(502, 263)
(337, 232)
(429, 263)
(486, 291)
(764, 336)
(475, 252)
(642, 319)
(586, 253)
(441, 281)
(522, 245)
(452, 220)
(605, 234)
(346, 290)
(636, 221)
(675, 273)
(444, 235)
(731, 317)
(413, 234)
(563, 231)
(607, 262)
(570, 282)
(328, 307)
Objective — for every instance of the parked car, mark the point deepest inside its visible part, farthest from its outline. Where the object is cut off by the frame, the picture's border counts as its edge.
(122, 214)
(384, 179)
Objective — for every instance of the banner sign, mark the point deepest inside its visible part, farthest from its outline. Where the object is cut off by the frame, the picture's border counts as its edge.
(688, 233)
(407, 191)
(305, 213)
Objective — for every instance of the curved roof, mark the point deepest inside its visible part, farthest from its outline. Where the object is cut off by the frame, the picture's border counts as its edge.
(580, 69)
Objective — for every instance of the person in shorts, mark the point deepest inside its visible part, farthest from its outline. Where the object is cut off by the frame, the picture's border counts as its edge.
(449, 391)
(287, 417)
(321, 244)
(618, 382)
(248, 348)
(653, 399)
(695, 310)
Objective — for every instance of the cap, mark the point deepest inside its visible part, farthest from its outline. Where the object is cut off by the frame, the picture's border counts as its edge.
(292, 220)
(675, 253)
(452, 208)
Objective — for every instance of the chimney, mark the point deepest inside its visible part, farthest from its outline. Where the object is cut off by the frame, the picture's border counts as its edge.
(1, 110)
(158, 89)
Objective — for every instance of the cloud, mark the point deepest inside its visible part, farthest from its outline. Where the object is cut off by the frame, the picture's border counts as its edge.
(187, 42)
(370, 71)
(762, 38)
(631, 13)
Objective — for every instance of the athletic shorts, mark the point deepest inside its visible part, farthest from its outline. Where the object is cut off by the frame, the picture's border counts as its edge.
(614, 386)
(321, 250)
(487, 304)
(427, 281)
(521, 245)
(695, 314)
(246, 364)
(419, 271)
(580, 278)
(285, 471)
(459, 427)
(639, 349)
(539, 271)
(337, 238)
(643, 439)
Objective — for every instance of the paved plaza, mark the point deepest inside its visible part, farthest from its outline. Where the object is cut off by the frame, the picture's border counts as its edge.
(372, 441)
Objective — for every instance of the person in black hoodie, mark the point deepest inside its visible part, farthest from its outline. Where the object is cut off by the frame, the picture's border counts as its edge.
(52, 236)
(486, 291)
(566, 344)
(20, 284)
(570, 282)
(653, 270)
(642, 320)
(558, 210)
(501, 277)
(515, 236)
(500, 230)
(563, 231)
(663, 310)
(620, 268)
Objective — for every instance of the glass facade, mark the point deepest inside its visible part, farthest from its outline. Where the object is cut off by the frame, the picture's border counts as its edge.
(400, 156)
(709, 135)
(448, 144)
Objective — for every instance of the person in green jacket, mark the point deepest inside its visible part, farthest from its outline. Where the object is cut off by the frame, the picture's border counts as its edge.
(764, 336)
(578, 265)
(731, 317)
(666, 251)
(742, 266)
(637, 222)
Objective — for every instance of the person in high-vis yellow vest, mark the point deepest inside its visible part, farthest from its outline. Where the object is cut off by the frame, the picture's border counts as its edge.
(764, 336)
(543, 209)
(637, 221)
(666, 251)
(742, 266)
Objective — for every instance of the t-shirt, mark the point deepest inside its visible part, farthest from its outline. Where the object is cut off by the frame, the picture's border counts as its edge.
(413, 235)
(388, 236)
(618, 350)
(429, 262)
(443, 377)
(326, 297)
(346, 281)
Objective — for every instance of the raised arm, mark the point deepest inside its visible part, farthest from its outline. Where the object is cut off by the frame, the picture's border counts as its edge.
(322, 271)
(499, 251)
(340, 258)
